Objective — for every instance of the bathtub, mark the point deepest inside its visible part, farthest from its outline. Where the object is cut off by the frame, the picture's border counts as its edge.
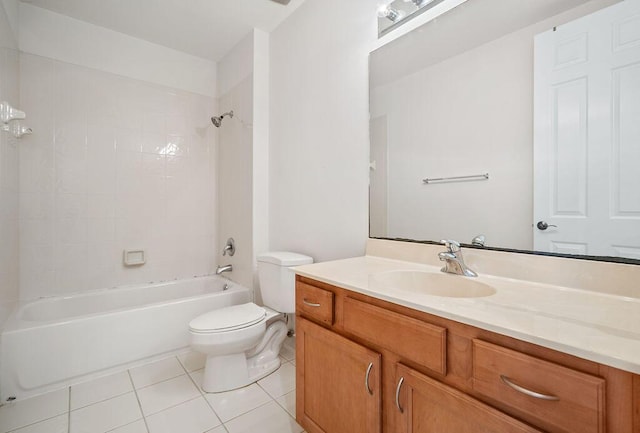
(54, 342)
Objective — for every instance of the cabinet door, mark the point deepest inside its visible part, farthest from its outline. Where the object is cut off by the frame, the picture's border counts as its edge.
(338, 382)
(429, 406)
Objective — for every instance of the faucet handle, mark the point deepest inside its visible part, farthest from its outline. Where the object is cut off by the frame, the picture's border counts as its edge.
(452, 246)
(230, 247)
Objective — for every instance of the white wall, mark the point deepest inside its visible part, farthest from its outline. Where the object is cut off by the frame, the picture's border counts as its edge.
(319, 125)
(261, 97)
(235, 182)
(53, 35)
(243, 80)
(9, 175)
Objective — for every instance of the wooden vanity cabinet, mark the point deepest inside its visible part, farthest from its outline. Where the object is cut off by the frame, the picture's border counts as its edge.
(452, 374)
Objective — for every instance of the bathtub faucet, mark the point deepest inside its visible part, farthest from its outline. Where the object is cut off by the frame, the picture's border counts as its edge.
(225, 268)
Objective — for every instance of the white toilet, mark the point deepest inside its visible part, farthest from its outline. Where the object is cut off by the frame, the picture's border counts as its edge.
(242, 342)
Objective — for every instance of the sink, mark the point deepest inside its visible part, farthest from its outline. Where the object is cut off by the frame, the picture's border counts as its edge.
(430, 283)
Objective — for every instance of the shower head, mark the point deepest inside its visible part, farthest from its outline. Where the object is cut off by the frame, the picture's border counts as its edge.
(217, 120)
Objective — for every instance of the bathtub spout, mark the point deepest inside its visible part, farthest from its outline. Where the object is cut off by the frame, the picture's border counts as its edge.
(226, 268)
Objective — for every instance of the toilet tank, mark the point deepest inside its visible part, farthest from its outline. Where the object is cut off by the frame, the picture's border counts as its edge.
(277, 279)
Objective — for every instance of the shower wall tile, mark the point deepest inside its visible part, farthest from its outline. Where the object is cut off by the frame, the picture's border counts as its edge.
(114, 164)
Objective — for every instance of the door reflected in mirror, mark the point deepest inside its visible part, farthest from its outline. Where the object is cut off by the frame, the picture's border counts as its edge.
(540, 96)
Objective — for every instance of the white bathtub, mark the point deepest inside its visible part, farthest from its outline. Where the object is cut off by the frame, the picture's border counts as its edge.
(54, 342)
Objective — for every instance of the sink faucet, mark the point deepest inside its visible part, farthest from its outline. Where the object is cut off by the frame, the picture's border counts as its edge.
(225, 268)
(454, 263)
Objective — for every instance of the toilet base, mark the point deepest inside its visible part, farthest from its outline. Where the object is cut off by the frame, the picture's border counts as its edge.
(227, 372)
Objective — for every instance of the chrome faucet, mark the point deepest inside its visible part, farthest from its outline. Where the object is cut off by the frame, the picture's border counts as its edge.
(225, 268)
(454, 263)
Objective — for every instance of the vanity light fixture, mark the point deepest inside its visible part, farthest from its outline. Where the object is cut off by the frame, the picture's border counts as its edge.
(393, 15)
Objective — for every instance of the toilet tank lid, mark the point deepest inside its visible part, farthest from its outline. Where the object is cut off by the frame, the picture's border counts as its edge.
(285, 258)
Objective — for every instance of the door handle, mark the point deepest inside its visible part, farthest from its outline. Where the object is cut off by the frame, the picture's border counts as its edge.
(542, 225)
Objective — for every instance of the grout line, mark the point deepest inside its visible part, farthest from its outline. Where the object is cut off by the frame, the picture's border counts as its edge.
(99, 401)
(252, 409)
(171, 407)
(184, 367)
(132, 422)
(156, 383)
(202, 393)
(146, 426)
(34, 423)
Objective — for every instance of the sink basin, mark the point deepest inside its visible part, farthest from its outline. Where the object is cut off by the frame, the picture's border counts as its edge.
(430, 283)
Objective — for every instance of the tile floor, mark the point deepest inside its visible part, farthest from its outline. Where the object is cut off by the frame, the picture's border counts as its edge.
(161, 397)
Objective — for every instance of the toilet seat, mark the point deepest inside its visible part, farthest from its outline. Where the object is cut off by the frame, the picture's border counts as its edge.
(228, 319)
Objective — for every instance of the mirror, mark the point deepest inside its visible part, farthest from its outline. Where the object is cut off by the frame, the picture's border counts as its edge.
(470, 136)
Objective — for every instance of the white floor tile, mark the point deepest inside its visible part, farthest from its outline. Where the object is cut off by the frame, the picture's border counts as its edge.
(100, 389)
(230, 404)
(155, 372)
(193, 361)
(288, 402)
(270, 418)
(59, 424)
(106, 415)
(163, 395)
(281, 381)
(293, 362)
(220, 429)
(25, 412)
(288, 352)
(194, 416)
(135, 427)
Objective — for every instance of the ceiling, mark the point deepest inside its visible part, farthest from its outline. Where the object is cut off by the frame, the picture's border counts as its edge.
(203, 28)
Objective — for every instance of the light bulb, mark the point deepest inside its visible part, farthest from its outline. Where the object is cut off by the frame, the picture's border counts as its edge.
(386, 11)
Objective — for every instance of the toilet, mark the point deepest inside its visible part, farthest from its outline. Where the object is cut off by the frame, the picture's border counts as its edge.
(242, 342)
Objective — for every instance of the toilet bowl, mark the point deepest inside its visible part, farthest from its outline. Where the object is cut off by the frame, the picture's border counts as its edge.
(242, 342)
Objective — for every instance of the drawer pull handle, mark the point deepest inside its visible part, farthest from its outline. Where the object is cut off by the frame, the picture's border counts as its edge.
(398, 395)
(366, 379)
(526, 391)
(310, 304)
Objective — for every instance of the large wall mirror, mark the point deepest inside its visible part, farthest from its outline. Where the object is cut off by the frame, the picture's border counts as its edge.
(516, 120)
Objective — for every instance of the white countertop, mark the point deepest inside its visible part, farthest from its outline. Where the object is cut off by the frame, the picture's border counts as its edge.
(596, 326)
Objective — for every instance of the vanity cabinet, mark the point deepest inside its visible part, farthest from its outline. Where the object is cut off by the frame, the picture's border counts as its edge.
(368, 365)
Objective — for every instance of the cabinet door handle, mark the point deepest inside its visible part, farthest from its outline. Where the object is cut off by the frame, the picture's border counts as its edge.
(526, 391)
(310, 304)
(398, 395)
(366, 379)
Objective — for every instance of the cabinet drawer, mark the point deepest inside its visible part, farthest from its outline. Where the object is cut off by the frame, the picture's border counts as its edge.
(314, 303)
(412, 339)
(427, 405)
(553, 397)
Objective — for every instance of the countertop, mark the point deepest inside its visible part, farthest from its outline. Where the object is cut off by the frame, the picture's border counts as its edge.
(600, 327)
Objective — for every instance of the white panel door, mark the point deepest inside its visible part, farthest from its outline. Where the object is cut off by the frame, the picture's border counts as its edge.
(587, 135)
